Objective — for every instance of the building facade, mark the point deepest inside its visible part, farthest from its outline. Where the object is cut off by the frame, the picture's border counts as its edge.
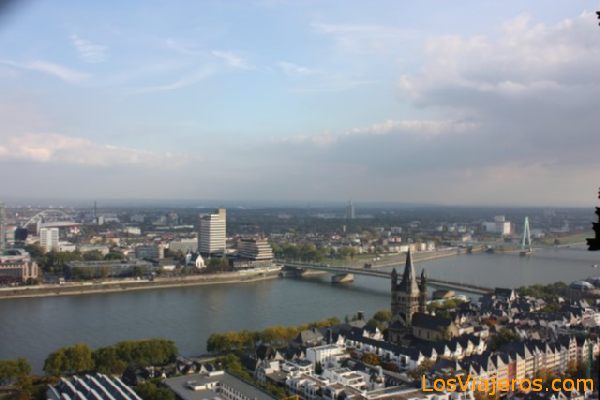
(16, 266)
(255, 249)
(212, 235)
(150, 252)
(49, 239)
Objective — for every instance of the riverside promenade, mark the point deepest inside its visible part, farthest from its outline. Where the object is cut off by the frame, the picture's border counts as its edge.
(123, 285)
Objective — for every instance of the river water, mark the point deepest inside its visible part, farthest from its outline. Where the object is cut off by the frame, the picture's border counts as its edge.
(34, 327)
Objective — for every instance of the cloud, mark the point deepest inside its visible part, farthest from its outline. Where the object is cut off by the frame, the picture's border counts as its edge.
(181, 48)
(361, 38)
(232, 59)
(511, 119)
(88, 51)
(62, 149)
(66, 74)
(187, 80)
(423, 129)
(294, 69)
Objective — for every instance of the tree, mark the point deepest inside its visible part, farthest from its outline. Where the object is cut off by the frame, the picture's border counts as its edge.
(370, 358)
(383, 315)
(114, 255)
(11, 370)
(504, 336)
(318, 368)
(107, 361)
(35, 250)
(93, 255)
(151, 391)
(422, 369)
(69, 360)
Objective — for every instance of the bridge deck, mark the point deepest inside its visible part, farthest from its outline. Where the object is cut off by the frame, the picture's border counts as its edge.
(464, 287)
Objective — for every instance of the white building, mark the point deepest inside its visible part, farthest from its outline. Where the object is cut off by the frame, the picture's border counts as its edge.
(325, 355)
(49, 239)
(183, 245)
(211, 233)
(499, 226)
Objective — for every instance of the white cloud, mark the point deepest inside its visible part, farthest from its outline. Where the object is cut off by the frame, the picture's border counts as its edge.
(360, 38)
(423, 129)
(57, 148)
(232, 59)
(525, 59)
(66, 74)
(88, 51)
(187, 80)
(295, 69)
(180, 47)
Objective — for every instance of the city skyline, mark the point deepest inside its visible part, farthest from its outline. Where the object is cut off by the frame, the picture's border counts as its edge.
(302, 101)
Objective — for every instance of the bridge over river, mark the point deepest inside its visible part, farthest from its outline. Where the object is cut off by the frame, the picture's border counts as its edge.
(301, 268)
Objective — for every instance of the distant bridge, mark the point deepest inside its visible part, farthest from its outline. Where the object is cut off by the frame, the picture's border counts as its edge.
(439, 283)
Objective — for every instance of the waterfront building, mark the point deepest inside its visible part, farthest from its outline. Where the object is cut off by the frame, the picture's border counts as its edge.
(91, 387)
(212, 233)
(49, 239)
(16, 266)
(499, 226)
(255, 249)
(214, 385)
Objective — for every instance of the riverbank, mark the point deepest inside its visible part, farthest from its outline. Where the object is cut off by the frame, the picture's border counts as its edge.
(82, 288)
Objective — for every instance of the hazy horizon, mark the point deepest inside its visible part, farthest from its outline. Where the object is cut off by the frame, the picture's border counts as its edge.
(469, 103)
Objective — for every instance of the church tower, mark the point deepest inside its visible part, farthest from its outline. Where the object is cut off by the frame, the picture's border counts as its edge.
(423, 292)
(406, 295)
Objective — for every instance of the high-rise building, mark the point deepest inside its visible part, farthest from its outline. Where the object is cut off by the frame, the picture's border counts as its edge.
(350, 210)
(49, 239)
(2, 228)
(212, 234)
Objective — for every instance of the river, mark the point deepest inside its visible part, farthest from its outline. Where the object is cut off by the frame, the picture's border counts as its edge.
(34, 327)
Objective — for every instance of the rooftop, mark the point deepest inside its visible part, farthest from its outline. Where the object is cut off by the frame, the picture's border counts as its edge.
(181, 386)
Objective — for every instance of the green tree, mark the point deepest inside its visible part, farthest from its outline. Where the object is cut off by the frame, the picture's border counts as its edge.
(504, 336)
(35, 250)
(114, 255)
(151, 391)
(318, 368)
(93, 255)
(107, 361)
(69, 360)
(11, 370)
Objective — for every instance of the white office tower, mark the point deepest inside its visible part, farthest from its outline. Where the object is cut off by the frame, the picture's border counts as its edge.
(2, 228)
(211, 233)
(49, 239)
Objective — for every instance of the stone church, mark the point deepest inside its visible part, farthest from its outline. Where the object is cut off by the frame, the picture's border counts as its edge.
(410, 319)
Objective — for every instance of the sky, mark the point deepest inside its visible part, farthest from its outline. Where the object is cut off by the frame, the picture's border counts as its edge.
(454, 103)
